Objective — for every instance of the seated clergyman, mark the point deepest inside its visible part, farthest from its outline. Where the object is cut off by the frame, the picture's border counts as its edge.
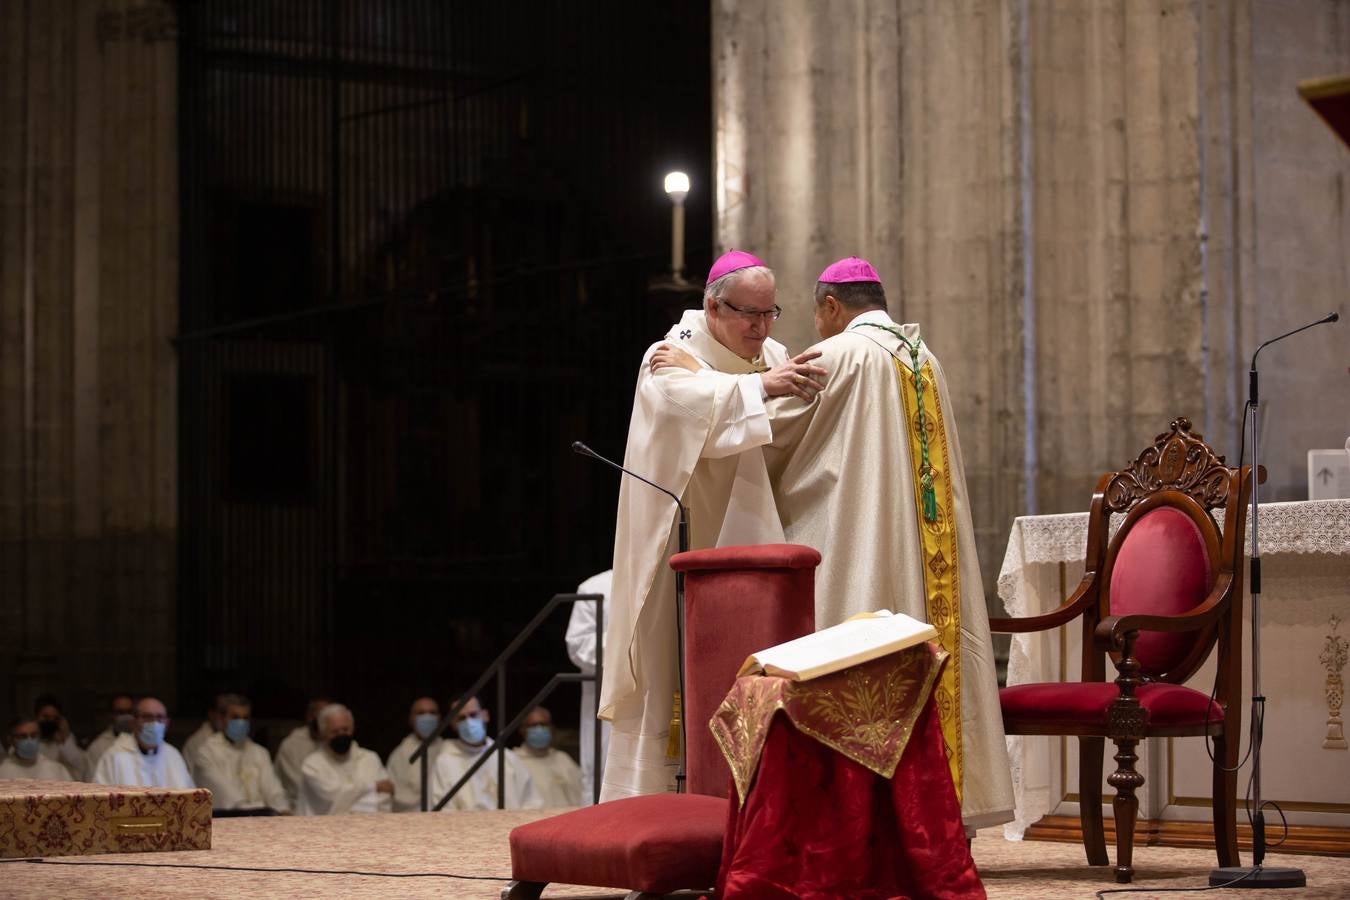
(342, 776)
(24, 759)
(237, 771)
(143, 757)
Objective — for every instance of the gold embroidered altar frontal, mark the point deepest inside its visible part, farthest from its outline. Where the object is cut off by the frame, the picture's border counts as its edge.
(866, 712)
(63, 818)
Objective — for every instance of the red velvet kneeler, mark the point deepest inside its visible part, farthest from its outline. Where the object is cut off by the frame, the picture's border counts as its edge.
(818, 825)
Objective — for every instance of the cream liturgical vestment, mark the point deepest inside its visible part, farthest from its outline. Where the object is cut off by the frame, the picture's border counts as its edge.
(696, 434)
(556, 776)
(124, 763)
(407, 776)
(581, 631)
(844, 474)
(239, 776)
(291, 756)
(40, 769)
(480, 791)
(331, 784)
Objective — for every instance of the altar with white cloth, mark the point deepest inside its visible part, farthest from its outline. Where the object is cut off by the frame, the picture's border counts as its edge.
(1305, 631)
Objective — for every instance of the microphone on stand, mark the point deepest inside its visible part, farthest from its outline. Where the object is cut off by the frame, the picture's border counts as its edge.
(580, 448)
(1257, 875)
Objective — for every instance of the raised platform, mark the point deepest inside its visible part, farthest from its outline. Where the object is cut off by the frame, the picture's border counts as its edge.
(465, 855)
(64, 818)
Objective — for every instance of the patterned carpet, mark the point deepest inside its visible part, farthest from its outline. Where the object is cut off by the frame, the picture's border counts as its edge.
(474, 844)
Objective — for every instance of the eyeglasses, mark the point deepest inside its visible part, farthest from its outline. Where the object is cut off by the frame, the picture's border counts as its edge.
(773, 312)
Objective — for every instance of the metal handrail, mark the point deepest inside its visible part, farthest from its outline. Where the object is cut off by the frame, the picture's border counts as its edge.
(498, 669)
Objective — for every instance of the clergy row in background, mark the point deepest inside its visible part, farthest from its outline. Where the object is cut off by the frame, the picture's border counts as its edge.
(319, 769)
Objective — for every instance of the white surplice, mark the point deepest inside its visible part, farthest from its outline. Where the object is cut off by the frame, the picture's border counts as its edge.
(291, 755)
(480, 791)
(68, 754)
(698, 435)
(556, 776)
(239, 776)
(125, 763)
(581, 650)
(40, 769)
(331, 785)
(407, 777)
(194, 743)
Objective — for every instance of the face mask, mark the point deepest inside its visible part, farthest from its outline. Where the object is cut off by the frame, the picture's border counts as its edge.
(27, 748)
(538, 736)
(48, 727)
(236, 730)
(122, 723)
(152, 734)
(425, 724)
(471, 731)
(341, 743)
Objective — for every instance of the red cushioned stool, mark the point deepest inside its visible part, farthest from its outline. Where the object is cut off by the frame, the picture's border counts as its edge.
(737, 600)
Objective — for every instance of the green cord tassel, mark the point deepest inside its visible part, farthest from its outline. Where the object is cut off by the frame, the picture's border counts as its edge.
(927, 493)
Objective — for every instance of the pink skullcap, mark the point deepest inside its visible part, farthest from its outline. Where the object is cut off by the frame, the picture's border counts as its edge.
(849, 269)
(730, 262)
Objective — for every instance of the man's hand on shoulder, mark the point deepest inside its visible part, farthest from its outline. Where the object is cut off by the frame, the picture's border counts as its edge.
(796, 376)
(667, 356)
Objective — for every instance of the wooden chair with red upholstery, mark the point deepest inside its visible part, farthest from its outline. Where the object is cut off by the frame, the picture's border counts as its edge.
(737, 600)
(1157, 597)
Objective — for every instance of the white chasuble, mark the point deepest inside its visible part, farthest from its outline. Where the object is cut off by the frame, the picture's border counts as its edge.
(844, 476)
(698, 435)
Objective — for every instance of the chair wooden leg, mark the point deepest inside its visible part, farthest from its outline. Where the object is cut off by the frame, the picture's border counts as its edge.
(1091, 750)
(524, 890)
(1126, 780)
(1225, 802)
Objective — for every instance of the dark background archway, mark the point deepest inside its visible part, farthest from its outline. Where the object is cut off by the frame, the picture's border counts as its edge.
(416, 241)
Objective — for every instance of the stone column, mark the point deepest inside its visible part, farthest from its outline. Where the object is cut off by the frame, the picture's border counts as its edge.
(88, 302)
(1096, 210)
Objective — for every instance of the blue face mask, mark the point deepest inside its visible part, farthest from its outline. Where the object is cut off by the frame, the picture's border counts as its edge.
(471, 731)
(425, 724)
(236, 730)
(152, 734)
(27, 748)
(538, 736)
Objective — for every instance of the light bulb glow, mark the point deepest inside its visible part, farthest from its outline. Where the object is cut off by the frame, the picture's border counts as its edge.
(677, 183)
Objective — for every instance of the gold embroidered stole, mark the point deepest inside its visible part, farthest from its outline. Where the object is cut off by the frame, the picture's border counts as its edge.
(941, 578)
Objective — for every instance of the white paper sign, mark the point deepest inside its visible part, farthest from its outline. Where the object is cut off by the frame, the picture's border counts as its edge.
(1329, 474)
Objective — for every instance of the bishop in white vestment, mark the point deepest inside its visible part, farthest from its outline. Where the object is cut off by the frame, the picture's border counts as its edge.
(879, 488)
(698, 435)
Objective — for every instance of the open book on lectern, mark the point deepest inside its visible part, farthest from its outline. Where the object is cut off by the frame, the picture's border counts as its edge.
(863, 638)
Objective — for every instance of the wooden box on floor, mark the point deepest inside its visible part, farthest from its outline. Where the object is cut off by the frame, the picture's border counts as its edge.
(65, 818)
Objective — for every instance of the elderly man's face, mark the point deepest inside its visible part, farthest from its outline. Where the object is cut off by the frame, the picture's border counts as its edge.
(338, 723)
(741, 320)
